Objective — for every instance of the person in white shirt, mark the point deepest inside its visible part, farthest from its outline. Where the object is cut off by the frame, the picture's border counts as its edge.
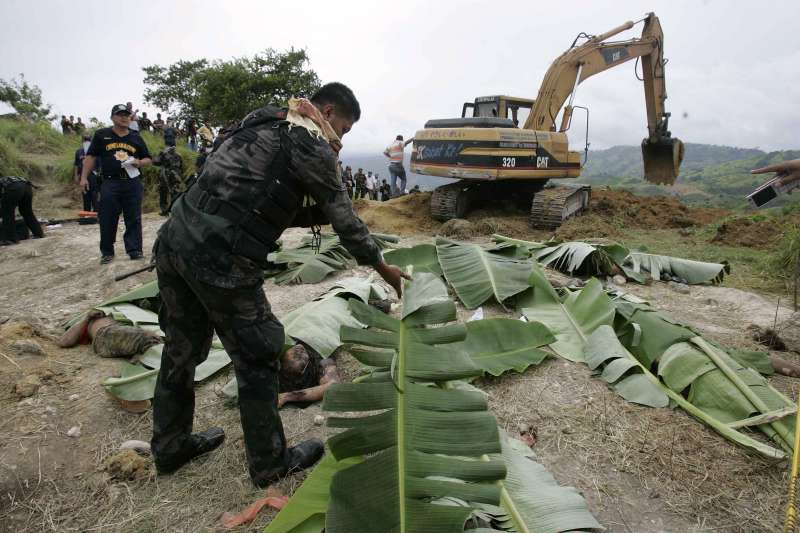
(395, 154)
(371, 186)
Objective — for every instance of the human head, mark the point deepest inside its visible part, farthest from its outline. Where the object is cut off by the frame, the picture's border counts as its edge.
(294, 360)
(361, 170)
(129, 106)
(79, 119)
(120, 116)
(338, 106)
(87, 137)
(144, 114)
(158, 115)
(399, 138)
(369, 173)
(72, 117)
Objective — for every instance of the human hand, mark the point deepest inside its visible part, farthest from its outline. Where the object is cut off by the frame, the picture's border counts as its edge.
(135, 163)
(788, 171)
(393, 276)
(84, 185)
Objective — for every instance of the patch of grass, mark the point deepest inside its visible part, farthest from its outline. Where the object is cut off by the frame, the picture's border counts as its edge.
(750, 268)
(36, 150)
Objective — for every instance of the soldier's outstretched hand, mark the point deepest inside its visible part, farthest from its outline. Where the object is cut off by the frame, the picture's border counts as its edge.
(393, 276)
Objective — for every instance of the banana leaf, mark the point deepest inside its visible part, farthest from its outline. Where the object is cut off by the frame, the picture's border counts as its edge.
(531, 500)
(572, 319)
(477, 274)
(691, 272)
(592, 257)
(306, 265)
(622, 370)
(305, 510)
(497, 345)
(422, 257)
(426, 441)
(585, 258)
(147, 291)
(681, 373)
(136, 383)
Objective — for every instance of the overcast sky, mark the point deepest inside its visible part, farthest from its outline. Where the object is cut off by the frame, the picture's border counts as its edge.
(732, 77)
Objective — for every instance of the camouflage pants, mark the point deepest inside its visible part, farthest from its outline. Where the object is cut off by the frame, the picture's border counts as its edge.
(170, 185)
(119, 340)
(253, 337)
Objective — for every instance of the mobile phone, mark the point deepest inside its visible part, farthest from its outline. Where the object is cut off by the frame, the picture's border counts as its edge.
(770, 190)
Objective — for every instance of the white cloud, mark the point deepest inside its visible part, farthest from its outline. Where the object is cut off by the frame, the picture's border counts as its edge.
(733, 75)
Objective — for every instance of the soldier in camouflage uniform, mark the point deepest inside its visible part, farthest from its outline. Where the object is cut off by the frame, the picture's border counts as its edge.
(170, 179)
(210, 256)
(361, 184)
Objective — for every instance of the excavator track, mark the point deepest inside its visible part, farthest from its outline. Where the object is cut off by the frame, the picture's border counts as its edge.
(552, 206)
(450, 201)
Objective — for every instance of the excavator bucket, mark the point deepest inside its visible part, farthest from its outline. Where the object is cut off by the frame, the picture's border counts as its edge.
(662, 160)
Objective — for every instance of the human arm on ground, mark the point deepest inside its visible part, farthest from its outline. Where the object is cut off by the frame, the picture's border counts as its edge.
(330, 375)
(73, 335)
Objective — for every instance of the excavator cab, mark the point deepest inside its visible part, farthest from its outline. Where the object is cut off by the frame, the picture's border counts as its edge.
(510, 107)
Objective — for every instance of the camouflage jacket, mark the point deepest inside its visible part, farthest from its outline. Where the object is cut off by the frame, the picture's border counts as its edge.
(169, 160)
(264, 150)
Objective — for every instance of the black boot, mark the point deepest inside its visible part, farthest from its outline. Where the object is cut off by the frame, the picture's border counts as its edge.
(302, 456)
(199, 443)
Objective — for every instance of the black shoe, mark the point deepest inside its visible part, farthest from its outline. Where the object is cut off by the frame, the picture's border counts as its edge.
(135, 256)
(302, 456)
(106, 259)
(199, 443)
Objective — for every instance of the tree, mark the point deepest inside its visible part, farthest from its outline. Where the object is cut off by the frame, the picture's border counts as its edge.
(24, 97)
(225, 91)
(173, 88)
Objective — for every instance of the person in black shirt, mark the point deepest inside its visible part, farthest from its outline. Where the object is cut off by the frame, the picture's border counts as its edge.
(17, 193)
(122, 152)
(144, 122)
(91, 198)
(170, 134)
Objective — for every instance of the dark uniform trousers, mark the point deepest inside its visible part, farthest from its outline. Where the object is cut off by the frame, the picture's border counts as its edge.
(121, 196)
(18, 195)
(253, 337)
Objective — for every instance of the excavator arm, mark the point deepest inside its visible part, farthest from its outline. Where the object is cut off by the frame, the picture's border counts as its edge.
(662, 154)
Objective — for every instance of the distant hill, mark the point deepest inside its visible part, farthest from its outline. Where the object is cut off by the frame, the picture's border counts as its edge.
(710, 174)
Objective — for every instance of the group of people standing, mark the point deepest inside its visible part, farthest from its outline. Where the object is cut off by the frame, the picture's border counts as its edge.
(72, 125)
(372, 187)
(360, 185)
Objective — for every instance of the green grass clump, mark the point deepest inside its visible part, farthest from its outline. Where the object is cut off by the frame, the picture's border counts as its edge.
(38, 151)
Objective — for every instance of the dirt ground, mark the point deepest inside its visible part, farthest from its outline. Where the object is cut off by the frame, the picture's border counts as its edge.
(641, 469)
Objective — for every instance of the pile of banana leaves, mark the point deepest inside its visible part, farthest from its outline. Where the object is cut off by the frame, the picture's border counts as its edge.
(602, 258)
(306, 264)
(423, 453)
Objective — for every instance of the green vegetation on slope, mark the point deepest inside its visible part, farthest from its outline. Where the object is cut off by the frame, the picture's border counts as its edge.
(717, 176)
(39, 152)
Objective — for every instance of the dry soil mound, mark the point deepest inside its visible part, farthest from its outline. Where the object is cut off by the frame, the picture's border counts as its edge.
(649, 212)
(748, 232)
(610, 212)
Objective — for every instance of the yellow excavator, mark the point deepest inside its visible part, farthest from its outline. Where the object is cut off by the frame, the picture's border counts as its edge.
(494, 159)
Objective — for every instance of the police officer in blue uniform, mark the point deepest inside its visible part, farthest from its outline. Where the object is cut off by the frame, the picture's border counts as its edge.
(121, 151)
